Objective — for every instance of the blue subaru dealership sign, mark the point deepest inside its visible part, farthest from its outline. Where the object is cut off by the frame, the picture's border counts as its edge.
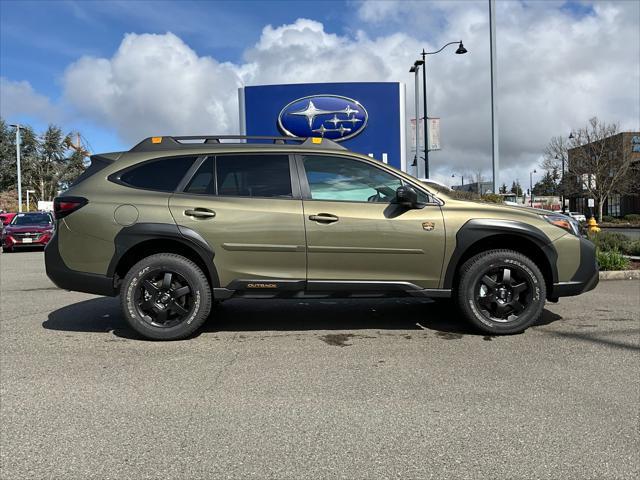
(367, 118)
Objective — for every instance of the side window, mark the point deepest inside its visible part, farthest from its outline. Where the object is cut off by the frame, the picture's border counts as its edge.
(202, 182)
(162, 175)
(253, 175)
(344, 179)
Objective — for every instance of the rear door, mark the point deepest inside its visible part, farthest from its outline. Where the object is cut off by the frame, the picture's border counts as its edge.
(354, 231)
(248, 208)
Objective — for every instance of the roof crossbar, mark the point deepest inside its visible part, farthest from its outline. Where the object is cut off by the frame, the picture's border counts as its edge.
(189, 141)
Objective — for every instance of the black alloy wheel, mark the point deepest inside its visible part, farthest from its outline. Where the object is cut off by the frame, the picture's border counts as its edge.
(501, 291)
(164, 298)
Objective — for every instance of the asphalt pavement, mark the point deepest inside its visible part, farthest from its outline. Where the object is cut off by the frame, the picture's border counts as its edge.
(315, 389)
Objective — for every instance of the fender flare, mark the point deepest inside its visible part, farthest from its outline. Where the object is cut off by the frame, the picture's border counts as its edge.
(478, 229)
(129, 237)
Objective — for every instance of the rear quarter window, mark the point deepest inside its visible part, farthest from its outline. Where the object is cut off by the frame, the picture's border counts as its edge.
(162, 175)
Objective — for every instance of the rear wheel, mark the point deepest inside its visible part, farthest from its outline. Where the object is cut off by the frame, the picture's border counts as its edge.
(165, 297)
(501, 291)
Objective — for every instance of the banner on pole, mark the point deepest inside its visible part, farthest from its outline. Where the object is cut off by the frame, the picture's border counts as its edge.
(413, 134)
(434, 133)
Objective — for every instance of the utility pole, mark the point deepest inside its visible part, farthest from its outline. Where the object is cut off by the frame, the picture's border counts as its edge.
(495, 153)
(17, 127)
(424, 106)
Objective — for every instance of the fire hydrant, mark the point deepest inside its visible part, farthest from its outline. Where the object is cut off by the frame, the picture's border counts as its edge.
(592, 225)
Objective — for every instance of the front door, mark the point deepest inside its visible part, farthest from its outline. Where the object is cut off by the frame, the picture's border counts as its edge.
(355, 233)
(246, 209)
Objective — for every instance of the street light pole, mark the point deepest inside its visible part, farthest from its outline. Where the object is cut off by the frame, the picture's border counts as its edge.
(414, 69)
(531, 185)
(461, 178)
(562, 184)
(459, 51)
(17, 127)
(495, 145)
(424, 107)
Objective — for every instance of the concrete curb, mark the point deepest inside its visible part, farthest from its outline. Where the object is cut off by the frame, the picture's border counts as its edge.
(620, 275)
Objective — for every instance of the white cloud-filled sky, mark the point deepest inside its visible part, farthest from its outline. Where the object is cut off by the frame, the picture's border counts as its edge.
(559, 63)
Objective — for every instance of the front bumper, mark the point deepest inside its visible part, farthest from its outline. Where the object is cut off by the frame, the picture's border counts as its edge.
(586, 277)
(10, 241)
(68, 279)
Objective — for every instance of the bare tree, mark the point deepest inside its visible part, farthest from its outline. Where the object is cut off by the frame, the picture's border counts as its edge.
(594, 162)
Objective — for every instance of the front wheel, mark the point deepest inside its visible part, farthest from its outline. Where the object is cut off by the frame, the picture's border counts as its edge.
(165, 297)
(501, 291)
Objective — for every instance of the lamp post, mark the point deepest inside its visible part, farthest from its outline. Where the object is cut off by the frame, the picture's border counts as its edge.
(562, 183)
(28, 192)
(414, 69)
(17, 127)
(460, 50)
(531, 185)
(461, 178)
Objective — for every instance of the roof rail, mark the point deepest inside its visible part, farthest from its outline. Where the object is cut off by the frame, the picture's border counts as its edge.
(152, 144)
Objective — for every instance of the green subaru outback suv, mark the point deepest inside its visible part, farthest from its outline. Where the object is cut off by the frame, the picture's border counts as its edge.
(178, 223)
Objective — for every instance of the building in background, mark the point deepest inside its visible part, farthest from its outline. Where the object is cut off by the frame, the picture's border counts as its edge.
(365, 117)
(625, 144)
(474, 187)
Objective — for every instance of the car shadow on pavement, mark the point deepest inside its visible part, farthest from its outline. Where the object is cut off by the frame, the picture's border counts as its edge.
(103, 314)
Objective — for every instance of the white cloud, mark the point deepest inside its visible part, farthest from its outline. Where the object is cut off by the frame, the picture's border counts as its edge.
(556, 69)
(155, 85)
(20, 99)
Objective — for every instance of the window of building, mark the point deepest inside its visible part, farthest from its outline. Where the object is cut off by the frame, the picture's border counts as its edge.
(162, 175)
(613, 205)
(253, 175)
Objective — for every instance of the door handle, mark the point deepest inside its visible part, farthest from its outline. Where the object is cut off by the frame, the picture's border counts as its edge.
(200, 213)
(324, 218)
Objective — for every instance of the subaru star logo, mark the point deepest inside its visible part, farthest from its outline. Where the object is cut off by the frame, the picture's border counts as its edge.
(329, 116)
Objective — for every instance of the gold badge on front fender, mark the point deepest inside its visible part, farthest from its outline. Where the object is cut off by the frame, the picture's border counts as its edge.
(428, 226)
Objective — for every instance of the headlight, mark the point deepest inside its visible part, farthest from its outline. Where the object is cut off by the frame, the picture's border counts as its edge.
(566, 223)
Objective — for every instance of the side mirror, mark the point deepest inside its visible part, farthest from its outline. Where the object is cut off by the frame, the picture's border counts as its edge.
(406, 196)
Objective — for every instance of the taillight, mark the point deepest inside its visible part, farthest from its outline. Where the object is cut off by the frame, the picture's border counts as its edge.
(63, 206)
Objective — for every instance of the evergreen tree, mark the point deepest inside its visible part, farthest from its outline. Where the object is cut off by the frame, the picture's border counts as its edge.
(503, 188)
(547, 185)
(516, 188)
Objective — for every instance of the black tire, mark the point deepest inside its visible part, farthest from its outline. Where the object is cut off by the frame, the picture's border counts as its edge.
(7, 250)
(501, 292)
(165, 297)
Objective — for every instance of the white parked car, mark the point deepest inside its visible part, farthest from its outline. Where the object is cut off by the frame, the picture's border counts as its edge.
(578, 216)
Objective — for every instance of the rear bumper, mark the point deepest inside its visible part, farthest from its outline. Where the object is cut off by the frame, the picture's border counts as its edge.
(586, 277)
(68, 279)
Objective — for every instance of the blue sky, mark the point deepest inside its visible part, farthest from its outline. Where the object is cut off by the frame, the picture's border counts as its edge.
(83, 65)
(39, 39)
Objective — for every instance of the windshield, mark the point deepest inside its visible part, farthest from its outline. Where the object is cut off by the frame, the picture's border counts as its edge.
(32, 219)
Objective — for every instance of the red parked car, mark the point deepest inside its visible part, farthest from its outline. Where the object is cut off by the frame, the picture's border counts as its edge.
(6, 218)
(27, 230)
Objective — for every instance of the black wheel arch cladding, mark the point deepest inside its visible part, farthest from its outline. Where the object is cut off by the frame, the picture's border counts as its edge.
(131, 236)
(478, 229)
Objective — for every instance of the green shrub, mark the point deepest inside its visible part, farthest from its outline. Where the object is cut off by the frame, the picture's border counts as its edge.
(492, 198)
(607, 218)
(612, 260)
(633, 248)
(633, 217)
(608, 241)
